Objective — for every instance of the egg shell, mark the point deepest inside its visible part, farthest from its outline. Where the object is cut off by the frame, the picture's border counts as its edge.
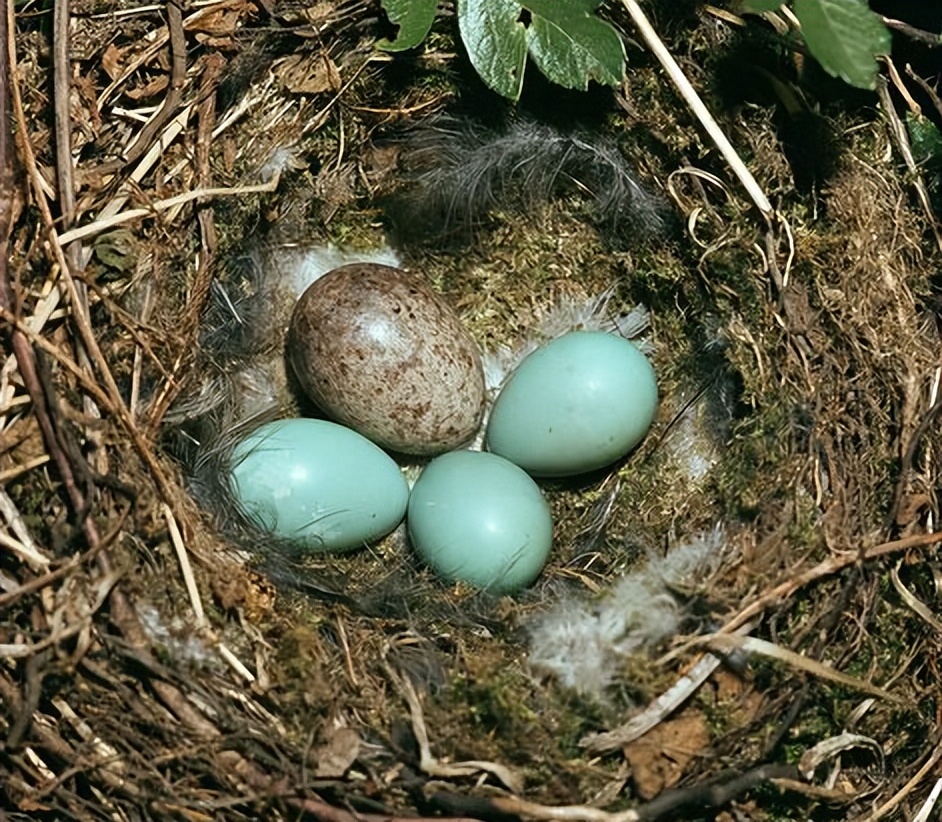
(477, 518)
(317, 484)
(381, 352)
(577, 404)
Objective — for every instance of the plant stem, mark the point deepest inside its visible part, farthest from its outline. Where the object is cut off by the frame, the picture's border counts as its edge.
(698, 107)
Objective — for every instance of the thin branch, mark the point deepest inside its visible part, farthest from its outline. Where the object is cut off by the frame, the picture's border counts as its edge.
(901, 138)
(891, 804)
(930, 38)
(199, 293)
(714, 793)
(63, 118)
(641, 724)
(175, 90)
(699, 109)
(781, 592)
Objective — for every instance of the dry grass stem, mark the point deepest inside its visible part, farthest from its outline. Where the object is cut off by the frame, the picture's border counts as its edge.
(925, 812)
(729, 643)
(176, 539)
(900, 796)
(697, 106)
(435, 767)
(98, 226)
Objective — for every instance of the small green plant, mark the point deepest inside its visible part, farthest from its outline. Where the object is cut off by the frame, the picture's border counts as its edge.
(566, 40)
(572, 45)
(844, 36)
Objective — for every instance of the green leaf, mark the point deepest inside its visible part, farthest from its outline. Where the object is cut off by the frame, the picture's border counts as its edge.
(496, 42)
(571, 45)
(924, 137)
(414, 18)
(845, 37)
(759, 6)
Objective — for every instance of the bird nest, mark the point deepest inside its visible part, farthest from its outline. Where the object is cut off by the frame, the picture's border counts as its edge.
(736, 621)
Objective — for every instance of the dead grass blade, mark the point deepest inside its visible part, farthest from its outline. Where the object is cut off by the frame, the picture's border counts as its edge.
(728, 643)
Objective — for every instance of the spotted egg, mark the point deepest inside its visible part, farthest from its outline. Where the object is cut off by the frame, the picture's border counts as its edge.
(379, 351)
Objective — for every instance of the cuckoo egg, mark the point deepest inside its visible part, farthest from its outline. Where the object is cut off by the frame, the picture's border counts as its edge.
(477, 518)
(378, 350)
(574, 405)
(317, 484)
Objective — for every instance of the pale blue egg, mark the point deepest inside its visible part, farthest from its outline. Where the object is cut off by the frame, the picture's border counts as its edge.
(477, 518)
(317, 484)
(577, 404)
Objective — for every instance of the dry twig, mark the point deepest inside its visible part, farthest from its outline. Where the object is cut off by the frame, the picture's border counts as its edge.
(637, 726)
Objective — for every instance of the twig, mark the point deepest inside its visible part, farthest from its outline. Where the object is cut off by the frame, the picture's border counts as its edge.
(929, 805)
(434, 767)
(830, 566)
(98, 226)
(66, 191)
(929, 90)
(512, 806)
(657, 711)
(901, 139)
(728, 643)
(24, 355)
(63, 114)
(891, 804)
(160, 38)
(712, 794)
(200, 290)
(913, 601)
(23, 650)
(48, 740)
(641, 724)
(188, 579)
(196, 603)
(46, 579)
(175, 90)
(21, 550)
(23, 468)
(30, 551)
(9, 202)
(174, 129)
(930, 38)
(86, 380)
(328, 813)
(699, 109)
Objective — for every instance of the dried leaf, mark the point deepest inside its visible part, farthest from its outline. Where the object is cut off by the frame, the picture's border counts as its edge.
(309, 74)
(219, 23)
(318, 13)
(659, 758)
(151, 89)
(336, 757)
(111, 61)
(828, 749)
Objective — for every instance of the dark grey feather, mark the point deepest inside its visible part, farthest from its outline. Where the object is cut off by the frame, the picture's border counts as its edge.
(458, 173)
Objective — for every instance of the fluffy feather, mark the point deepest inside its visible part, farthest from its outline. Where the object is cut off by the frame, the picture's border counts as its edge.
(460, 172)
(584, 644)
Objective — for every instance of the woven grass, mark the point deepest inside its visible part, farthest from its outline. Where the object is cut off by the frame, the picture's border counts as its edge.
(152, 668)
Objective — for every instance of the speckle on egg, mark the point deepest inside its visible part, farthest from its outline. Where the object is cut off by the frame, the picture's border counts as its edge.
(379, 351)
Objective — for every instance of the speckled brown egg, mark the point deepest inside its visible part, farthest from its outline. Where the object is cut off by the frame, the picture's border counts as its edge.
(380, 352)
